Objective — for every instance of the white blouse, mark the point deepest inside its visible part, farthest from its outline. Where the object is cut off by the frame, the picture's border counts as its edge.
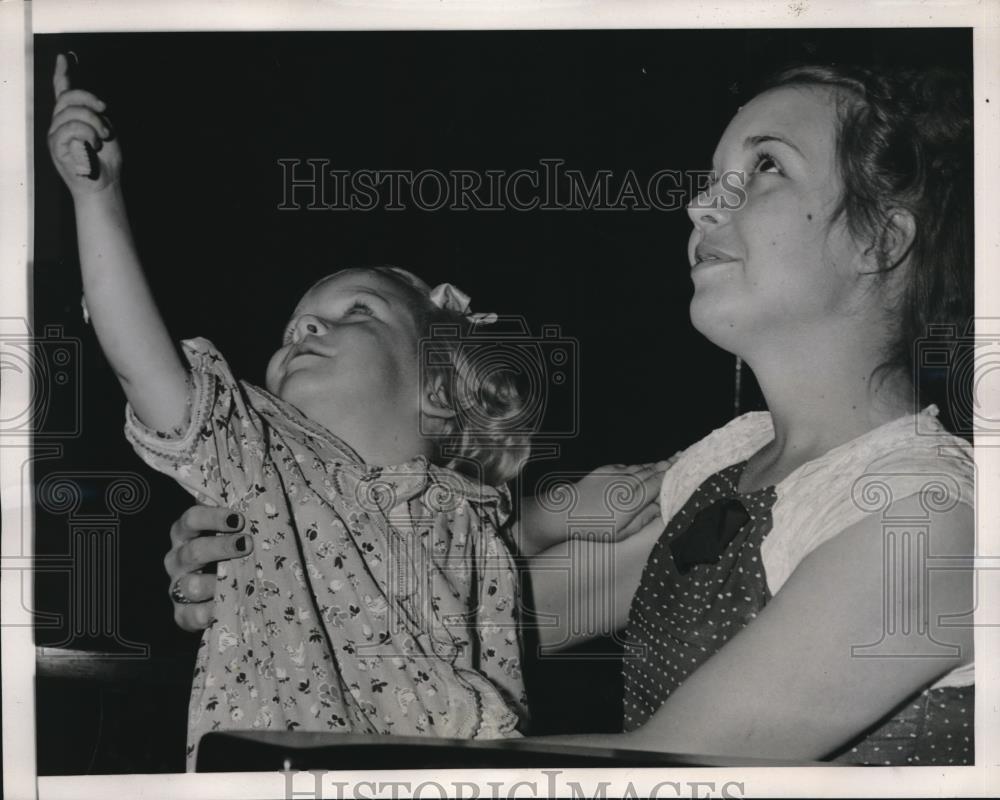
(912, 455)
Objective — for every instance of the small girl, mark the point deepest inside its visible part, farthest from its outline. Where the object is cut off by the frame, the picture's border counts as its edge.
(380, 596)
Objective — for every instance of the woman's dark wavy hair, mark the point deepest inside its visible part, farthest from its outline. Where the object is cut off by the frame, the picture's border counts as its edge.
(905, 143)
(489, 437)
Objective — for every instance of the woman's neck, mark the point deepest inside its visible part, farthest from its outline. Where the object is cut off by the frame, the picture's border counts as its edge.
(815, 408)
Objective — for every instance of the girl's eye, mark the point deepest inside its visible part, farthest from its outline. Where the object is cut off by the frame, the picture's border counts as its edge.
(765, 162)
(359, 307)
(289, 334)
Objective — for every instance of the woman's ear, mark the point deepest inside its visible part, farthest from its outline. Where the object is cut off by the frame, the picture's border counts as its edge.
(434, 403)
(897, 238)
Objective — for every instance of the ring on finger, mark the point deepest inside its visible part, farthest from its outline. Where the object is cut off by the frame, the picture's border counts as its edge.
(177, 595)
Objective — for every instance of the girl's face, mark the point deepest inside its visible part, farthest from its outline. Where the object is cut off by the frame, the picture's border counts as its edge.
(350, 348)
(775, 266)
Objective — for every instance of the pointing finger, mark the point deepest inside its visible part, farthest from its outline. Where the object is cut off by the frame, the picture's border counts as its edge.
(60, 79)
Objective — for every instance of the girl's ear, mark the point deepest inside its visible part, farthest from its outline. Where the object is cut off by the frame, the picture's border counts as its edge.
(434, 402)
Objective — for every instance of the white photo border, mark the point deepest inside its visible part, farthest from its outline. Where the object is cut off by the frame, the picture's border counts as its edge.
(20, 20)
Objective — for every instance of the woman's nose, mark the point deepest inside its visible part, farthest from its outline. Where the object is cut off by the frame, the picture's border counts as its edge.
(308, 325)
(708, 209)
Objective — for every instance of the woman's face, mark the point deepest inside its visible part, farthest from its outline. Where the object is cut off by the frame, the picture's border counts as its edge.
(773, 267)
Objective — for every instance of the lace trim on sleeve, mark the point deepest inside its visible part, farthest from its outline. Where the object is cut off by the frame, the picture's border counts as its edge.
(863, 477)
(728, 445)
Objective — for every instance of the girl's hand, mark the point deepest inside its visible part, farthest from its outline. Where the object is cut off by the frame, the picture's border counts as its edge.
(192, 590)
(81, 141)
(627, 498)
(628, 494)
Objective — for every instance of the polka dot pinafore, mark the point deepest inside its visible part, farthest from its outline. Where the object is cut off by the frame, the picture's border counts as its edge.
(692, 599)
(677, 621)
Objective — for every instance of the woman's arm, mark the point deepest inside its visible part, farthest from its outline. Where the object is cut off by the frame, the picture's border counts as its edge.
(132, 334)
(790, 684)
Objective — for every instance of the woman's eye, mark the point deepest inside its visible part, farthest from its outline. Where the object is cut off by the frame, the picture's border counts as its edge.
(765, 162)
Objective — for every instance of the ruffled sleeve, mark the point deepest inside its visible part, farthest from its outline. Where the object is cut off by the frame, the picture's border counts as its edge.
(217, 453)
(734, 442)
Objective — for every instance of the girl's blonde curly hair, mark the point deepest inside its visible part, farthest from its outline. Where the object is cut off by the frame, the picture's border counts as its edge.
(489, 437)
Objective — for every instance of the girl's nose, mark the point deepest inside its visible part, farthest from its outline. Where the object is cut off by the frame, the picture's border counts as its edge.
(308, 325)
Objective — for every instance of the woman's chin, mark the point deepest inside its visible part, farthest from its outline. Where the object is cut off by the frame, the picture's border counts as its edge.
(719, 323)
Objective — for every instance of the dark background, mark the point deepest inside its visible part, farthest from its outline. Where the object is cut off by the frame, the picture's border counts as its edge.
(203, 119)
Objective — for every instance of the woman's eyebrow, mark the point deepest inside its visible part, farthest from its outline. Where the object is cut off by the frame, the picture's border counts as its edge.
(762, 138)
(752, 141)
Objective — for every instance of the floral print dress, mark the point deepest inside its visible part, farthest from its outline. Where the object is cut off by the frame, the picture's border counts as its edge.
(376, 599)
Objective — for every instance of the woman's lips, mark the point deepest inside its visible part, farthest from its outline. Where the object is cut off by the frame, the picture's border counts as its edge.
(709, 263)
(707, 254)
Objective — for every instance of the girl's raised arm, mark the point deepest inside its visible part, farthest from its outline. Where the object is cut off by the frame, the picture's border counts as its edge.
(128, 325)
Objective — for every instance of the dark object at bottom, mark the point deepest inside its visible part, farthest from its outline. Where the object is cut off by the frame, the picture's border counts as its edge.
(275, 751)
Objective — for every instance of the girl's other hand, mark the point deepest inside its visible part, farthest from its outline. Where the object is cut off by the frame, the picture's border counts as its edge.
(81, 141)
(194, 548)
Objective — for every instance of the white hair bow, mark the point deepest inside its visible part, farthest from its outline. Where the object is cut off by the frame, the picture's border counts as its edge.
(451, 298)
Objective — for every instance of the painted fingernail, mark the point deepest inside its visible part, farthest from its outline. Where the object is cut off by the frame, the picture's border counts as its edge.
(241, 544)
(194, 585)
(233, 520)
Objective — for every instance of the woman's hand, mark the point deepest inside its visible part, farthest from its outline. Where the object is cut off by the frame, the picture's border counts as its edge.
(81, 141)
(192, 590)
